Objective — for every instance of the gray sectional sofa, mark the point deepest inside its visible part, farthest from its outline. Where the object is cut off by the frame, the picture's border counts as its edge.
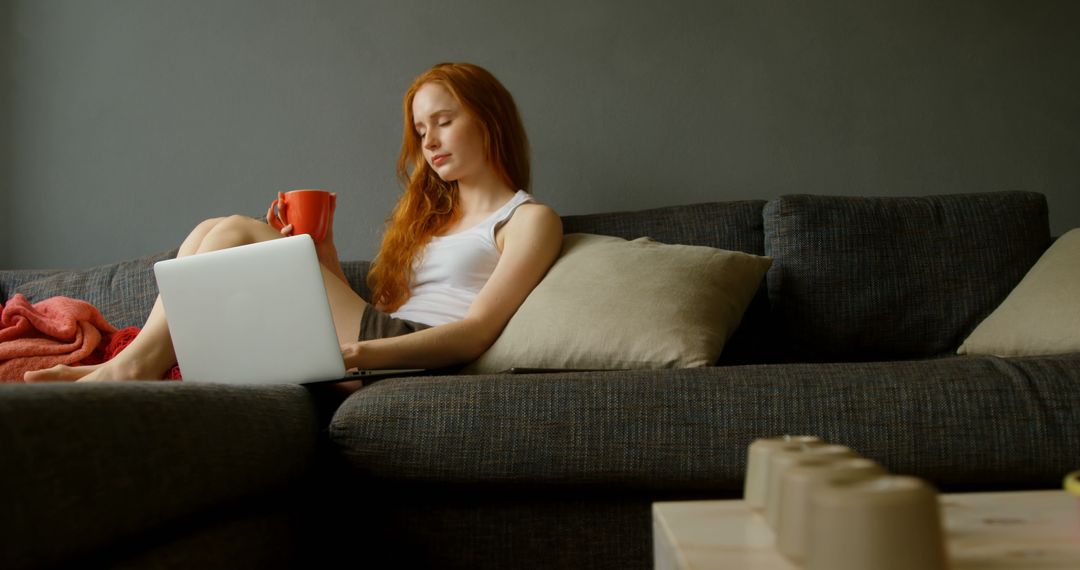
(852, 337)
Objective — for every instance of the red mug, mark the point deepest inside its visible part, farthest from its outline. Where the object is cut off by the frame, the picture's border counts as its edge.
(309, 211)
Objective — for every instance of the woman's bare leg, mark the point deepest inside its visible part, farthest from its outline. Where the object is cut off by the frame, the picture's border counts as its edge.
(151, 353)
(189, 246)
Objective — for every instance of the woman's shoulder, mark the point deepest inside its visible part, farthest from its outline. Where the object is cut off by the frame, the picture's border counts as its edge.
(532, 222)
(535, 215)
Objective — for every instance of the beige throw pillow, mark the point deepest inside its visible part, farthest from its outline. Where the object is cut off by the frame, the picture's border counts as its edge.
(1042, 314)
(608, 303)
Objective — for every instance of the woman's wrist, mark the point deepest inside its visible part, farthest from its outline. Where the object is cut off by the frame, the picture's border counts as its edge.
(351, 354)
(326, 249)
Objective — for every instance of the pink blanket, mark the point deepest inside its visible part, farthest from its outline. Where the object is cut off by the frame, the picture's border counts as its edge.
(58, 330)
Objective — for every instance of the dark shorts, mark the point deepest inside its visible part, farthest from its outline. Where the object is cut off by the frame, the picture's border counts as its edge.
(377, 324)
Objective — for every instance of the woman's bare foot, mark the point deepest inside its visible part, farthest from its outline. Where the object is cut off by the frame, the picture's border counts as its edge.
(60, 372)
(118, 368)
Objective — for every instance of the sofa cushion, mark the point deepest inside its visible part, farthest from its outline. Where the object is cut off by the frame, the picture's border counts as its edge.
(124, 292)
(608, 303)
(879, 278)
(356, 272)
(956, 421)
(256, 533)
(735, 226)
(92, 464)
(1042, 314)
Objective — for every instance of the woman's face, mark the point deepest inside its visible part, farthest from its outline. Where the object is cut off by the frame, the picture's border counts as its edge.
(449, 135)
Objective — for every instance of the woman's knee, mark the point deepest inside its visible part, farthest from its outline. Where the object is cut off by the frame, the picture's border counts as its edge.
(194, 239)
(240, 221)
(237, 230)
(205, 226)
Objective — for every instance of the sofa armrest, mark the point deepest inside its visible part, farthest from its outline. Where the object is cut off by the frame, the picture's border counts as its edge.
(88, 465)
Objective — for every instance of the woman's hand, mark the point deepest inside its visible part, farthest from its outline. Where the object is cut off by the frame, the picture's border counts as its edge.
(272, 215)
(350, 354)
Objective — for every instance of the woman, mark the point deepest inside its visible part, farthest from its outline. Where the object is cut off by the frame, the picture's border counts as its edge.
(464, 246)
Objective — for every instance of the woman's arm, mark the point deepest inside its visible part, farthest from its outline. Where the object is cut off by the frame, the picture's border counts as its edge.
(325, 250)
(532, 239)
(328, 255)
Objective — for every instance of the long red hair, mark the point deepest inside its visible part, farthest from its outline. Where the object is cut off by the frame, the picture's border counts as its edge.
(429, 204)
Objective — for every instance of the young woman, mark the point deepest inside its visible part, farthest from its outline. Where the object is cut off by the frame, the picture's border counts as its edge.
(463, 248)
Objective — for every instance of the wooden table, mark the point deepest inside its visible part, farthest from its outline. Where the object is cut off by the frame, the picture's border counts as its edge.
(1025, 530)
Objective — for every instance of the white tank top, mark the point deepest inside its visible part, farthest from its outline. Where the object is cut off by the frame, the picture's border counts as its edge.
(452, 269)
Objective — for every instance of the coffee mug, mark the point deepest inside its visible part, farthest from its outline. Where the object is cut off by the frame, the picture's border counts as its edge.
(891, 522)
(800, 483)
(757, 464)
(781, 461)
(309, 211)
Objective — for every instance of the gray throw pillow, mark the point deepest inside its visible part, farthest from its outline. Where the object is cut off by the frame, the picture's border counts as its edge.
(892, 278)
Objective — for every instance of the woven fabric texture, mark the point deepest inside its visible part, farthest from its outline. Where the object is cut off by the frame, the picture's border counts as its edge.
(446, 528)
(243, 536)
(356, 272)
(687, 430)
(94, 464)
(124, 292)
(736, 226)
(879, 278)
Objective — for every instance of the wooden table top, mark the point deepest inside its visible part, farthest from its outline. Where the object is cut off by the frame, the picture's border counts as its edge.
(1022, 530)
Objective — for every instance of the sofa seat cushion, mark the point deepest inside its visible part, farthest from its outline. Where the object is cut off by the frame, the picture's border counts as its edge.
(890, 278)
(92, 464)
(958, 420)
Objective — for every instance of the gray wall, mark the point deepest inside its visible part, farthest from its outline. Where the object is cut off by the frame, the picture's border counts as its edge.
(133, 120)
(7, 41)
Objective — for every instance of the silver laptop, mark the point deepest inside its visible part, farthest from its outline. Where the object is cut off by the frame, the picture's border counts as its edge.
(255, 314)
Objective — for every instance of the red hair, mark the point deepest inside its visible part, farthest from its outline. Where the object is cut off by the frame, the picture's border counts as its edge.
(429, 204)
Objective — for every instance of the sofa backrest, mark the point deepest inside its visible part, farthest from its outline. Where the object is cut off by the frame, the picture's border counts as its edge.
(124, 292)
(895, 278)
(356, 272)
(734, 226)
(852, 278)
